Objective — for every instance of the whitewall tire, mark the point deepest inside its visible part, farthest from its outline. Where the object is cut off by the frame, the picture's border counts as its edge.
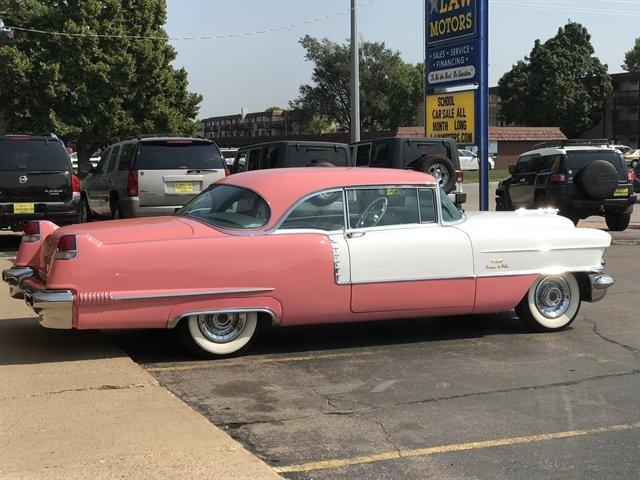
(220, 334)
(551, 304)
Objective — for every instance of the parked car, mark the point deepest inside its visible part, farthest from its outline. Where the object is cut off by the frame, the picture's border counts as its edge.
(574, 176)
(229, 155)
(291, 154)
(632, 158)
(469, 160)
(74, 161)
(623, 149)
(435, 156)
(636, 180)
(147, 176)
(308, 246)
(37, 182)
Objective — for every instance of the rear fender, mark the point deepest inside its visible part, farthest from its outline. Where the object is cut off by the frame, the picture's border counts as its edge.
(29, 252)
(267, 305)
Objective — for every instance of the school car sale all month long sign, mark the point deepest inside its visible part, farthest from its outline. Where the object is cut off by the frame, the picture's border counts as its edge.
(451, 115)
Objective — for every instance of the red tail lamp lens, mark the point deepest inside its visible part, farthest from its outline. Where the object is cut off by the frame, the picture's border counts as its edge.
(75, 182)
(558, 177)
(459, 176)
(31, 232)
(67, 243)
(132, 183)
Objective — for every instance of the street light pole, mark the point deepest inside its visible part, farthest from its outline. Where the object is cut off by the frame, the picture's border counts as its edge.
(355, 74)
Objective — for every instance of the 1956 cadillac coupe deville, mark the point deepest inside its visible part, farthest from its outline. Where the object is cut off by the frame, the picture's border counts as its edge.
(304, 246)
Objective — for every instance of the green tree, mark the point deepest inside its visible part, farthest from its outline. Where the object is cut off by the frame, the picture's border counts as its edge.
(92, 90)
(632, 58)
(390, 89)
(560, 83)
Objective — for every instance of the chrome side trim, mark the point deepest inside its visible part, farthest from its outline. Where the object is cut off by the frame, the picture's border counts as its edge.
(174, 321)
(13, 276)
(541, 249)
(190, 293)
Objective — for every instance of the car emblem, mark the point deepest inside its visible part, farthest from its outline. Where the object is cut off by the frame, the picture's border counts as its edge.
(23, 179)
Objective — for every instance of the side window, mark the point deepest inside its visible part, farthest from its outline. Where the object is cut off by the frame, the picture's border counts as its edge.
(126, 156)
(449, 211)
(104, 161)
(241, 162)
(269, 157)
(324, 211)
(362, 154)
(523, 164)
(378, 207)
(113, 162)
(380, 154)
(254, 159)
(427, 197)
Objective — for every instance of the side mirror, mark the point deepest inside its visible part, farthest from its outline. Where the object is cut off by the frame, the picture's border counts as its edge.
(86, 168)
(512, 169)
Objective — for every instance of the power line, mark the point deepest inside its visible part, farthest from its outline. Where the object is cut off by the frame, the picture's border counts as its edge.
(198, 37)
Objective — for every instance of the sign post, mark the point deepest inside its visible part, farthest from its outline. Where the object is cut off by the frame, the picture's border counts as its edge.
(456, 54)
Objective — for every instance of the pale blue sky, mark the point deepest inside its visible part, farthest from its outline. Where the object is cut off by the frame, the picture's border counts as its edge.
(258, 71)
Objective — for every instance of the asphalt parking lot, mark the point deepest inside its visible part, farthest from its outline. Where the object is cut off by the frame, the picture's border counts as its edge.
(465, 398)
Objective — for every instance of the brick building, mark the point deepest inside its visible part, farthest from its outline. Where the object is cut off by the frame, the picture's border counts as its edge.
(270, 123)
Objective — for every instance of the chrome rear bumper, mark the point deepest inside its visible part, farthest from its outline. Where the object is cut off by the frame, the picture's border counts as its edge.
(54, 307)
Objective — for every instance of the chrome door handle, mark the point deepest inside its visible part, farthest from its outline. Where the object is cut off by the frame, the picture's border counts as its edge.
(355, 234)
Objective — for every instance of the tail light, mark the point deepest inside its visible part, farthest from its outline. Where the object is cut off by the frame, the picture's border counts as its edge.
(631, 176)
(75, 183)
(67, 248)
(31, 232)
(132, 183)
(558, 178)
(226, 171)
(459, 176)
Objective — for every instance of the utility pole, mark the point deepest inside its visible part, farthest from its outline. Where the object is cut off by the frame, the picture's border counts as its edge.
(355, 74)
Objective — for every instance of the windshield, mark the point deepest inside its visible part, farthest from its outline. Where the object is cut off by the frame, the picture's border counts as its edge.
(29, 155)
(579, 159)
(179, 155)
(227, 206)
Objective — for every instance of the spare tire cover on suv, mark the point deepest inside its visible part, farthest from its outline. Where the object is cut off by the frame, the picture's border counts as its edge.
(599, 179)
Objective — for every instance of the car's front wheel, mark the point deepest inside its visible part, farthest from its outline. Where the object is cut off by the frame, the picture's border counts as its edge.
(551, 304)
(617, 222)
(216, 335)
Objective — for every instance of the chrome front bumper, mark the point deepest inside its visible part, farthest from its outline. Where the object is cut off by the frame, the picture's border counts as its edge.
(54, 307)
(599, 283)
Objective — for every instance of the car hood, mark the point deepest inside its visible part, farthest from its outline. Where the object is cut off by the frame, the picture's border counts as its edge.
(131, 230)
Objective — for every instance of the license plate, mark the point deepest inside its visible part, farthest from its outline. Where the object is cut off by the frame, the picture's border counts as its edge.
(621, 192)
(183, 187)
(23, 208)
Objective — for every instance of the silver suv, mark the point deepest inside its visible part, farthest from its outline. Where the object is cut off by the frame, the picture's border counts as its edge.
(144, 177)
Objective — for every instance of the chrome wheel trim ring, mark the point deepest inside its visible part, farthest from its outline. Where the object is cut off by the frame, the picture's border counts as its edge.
(222, 327)
(552, 297)
(440, 173)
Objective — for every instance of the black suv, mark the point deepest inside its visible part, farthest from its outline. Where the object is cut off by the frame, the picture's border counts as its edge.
(578, 177)
(291, 154)
(37, 182)
(436, 156)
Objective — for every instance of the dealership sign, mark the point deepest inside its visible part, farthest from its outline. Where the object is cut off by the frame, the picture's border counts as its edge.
(451, 115)
(453, 64)
(449, 20)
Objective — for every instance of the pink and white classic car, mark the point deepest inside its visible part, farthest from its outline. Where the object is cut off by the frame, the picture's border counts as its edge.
(305, 246)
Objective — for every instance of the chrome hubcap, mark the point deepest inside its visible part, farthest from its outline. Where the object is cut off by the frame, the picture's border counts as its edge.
(440, 173)
(222, 327)
(553, 297)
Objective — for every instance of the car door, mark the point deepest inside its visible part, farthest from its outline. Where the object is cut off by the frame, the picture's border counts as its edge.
(97, 185)
(402, 257)
(522, 187)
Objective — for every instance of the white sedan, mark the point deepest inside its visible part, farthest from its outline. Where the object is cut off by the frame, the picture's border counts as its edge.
(469, 160)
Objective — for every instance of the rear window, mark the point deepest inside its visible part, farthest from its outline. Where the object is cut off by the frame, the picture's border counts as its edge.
(577, 160)
(307, 156)
(47, 155)
(179, 155)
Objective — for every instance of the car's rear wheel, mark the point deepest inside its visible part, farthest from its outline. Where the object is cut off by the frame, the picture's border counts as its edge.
(551, 304)
(85, 212)
(440, 168)
(617, 222)
(217, 335)
(116, 212)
